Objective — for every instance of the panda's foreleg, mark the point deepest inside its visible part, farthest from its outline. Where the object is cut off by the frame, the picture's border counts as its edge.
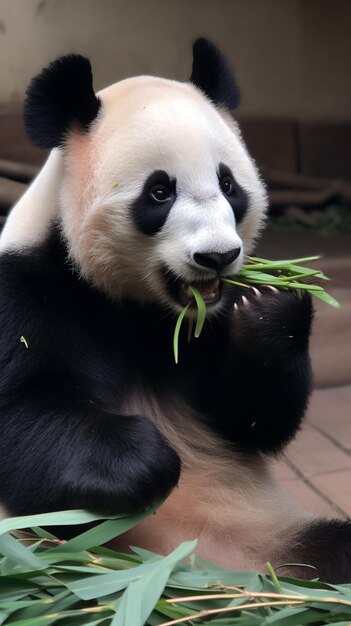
(56, 455)
(264, 385)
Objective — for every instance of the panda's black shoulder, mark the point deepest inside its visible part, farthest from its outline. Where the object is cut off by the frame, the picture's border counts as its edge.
(68, 324)
(33, 275)
(51, 321)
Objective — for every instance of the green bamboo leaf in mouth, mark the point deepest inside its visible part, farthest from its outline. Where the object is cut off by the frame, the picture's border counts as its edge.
(177, 331)
(201, 312)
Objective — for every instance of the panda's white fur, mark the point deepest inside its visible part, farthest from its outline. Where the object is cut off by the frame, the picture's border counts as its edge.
(29, 220)
(224, 497)
(227, 495)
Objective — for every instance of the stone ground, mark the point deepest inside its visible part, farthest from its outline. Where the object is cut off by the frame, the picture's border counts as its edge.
(316, 467)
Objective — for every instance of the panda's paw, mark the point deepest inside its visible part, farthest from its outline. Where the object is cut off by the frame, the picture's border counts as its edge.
(125, 468)
(266, 321)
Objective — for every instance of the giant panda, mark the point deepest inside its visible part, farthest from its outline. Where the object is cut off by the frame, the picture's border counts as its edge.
(149, 189)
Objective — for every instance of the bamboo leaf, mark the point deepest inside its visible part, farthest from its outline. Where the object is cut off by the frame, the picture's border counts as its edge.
(19, 554)
(307, 259)
(66, 518)
(102, 533)
(294, 616)
(201, 311)
(141, 596)
(234, 282)
(326, 297)
(15, 589)
(36, 621)
(41, 532)
(92, 587)
(304, 286)
(177, 331)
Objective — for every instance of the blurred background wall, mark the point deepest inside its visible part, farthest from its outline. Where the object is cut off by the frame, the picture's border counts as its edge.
(292, 56)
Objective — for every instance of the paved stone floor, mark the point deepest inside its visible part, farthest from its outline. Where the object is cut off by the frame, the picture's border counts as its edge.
(316, 468)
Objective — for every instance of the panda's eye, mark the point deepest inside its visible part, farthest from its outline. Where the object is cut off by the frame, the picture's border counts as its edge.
(227, 185)
(159, 194)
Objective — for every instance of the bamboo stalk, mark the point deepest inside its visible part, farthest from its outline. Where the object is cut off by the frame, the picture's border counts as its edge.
(229, 609)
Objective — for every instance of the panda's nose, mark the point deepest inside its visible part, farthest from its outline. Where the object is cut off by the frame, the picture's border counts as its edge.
(216, 260)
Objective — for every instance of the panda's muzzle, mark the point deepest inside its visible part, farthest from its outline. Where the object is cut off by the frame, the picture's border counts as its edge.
(216, 260)
(210, 288)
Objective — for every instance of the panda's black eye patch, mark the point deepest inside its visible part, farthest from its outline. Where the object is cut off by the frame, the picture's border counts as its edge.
(233, 192)
(151, 208)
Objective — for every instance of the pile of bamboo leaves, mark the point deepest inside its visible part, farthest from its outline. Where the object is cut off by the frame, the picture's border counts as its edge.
(259, 273)
(80, 582)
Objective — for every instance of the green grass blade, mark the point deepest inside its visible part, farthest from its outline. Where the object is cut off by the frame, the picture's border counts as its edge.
(177, 331)
(201, 312)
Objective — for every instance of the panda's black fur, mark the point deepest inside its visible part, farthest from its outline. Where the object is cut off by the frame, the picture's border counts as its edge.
(66, 441)
(61, 394)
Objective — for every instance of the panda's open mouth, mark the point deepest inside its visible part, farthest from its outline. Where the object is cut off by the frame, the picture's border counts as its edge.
(209, 289)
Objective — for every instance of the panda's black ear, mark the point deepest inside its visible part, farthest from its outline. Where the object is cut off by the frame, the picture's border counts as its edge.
(60, 96)
(211, 73)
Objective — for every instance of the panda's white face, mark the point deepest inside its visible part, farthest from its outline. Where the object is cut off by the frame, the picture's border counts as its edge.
(160, 194)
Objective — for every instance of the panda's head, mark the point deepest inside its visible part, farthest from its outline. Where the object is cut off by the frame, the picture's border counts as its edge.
(158, 191)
